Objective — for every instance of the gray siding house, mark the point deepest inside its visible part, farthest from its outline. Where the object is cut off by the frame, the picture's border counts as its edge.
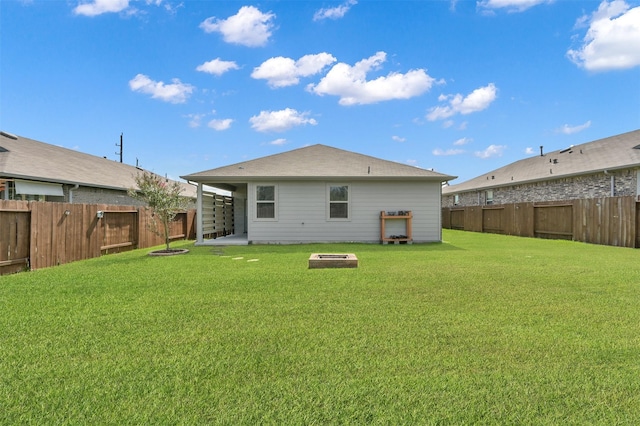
(606, 167)
(324, 194)
(33, 170)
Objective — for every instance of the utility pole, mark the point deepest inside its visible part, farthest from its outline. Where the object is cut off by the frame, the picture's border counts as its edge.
(120, 145)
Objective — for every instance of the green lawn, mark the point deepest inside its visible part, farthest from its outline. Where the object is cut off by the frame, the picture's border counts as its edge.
(480, 329)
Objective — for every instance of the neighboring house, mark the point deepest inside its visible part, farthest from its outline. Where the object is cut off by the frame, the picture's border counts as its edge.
(32, 170)
(603, 168)
(324, 194)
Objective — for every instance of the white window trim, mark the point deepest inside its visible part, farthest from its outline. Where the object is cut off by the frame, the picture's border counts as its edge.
(489, 196)
(348, 202)
(254, 197)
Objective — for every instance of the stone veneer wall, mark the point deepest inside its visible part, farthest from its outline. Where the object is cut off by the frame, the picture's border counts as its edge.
(578, 187)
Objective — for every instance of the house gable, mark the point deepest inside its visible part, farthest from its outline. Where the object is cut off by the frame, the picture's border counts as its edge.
(324, 194)
(613, 153)
(100, 179)
(316, 161)
(605, 167)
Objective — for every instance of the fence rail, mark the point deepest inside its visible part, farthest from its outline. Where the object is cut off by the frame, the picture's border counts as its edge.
(37, 234)
(611, 221)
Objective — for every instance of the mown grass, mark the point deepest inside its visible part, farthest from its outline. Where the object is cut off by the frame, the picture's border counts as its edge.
(480, 329)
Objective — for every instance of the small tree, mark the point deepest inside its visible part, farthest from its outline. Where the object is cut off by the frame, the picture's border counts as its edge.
(163, 198)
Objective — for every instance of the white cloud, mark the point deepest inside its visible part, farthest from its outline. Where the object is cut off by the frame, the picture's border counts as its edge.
(279, 121)
(282, 72)
(98, 7)
(529, 151)
(173, 9)
(219, 125)
(569, 130)
(510, 5)
(398, 138)
(491, 151)
(195, 119)
(462, 141)
(441, 152)
(334, 12)
(351, 84)
(217, 66)
(176, 92)
(249, 27)
(612, 40)
(278, 142)
(477, 100)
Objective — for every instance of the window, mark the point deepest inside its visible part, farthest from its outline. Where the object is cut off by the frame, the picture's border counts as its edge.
(265, 202)
(490, 197)
(339, 202)
(456, 199)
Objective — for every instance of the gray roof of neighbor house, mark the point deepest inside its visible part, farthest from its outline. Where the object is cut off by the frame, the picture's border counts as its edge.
(23, 158)
(612, 153)
(314, 162)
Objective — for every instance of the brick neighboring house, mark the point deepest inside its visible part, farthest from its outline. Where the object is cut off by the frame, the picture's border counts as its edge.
(32, 170)
(603, 168)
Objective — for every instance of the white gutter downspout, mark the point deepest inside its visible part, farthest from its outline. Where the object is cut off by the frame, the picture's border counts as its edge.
(76, 186)
(613, 184)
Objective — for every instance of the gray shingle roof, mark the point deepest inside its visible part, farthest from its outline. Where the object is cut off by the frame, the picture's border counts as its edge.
(313, 162)
(25, 158)
(612, 153)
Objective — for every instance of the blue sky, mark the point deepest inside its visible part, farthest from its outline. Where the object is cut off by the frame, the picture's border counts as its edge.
(461, 87)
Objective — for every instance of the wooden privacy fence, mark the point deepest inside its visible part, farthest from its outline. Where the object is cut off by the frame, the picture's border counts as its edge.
(218, 215)
(613, 221)
(36, 234)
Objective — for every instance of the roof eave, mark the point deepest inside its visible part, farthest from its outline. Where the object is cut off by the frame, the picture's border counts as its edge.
(60, 181)
(243, 179)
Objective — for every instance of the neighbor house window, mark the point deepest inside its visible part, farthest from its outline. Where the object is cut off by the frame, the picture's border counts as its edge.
(7, 192)
(338, 201)
(490, 197)
(265, 202)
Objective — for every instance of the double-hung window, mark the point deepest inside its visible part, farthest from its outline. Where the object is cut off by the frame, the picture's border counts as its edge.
(265, 201)
(339, 202)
